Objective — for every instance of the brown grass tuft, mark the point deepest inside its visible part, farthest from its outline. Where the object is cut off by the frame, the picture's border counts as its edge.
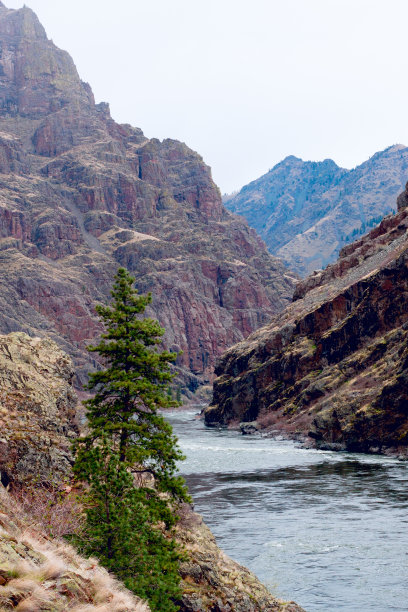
(93, 588)
(36, 601)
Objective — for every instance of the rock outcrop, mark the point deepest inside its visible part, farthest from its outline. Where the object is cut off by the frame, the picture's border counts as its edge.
(334, 365)
(37, 410)
(212, 581)
(308, 211)
(81, 195)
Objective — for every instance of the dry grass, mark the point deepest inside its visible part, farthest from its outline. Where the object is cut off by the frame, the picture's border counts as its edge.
(53, 575)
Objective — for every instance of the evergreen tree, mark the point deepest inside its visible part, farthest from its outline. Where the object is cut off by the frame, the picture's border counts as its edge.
(129, 456)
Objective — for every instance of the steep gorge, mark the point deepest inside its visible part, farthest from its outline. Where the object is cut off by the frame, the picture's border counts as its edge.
(332, 368)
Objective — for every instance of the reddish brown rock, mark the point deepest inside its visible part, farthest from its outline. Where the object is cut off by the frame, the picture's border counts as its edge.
(81, 195)
(333, 365)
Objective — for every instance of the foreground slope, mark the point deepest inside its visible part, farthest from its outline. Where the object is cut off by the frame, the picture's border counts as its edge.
(307, 211)
(81, 195)
(334, 364)
(38, 574)
(38, 425)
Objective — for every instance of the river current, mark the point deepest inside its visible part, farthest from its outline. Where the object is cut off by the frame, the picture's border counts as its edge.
(328, 530)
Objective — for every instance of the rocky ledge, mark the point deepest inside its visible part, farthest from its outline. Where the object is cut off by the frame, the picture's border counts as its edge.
(333, 367)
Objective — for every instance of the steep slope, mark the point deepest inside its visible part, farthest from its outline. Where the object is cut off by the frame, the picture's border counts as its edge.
(334, 364)
(38, 426)
(38, 574)
(307, 211)
(81, 195)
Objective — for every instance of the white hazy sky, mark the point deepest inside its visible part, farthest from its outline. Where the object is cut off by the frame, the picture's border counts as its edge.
(245, 82)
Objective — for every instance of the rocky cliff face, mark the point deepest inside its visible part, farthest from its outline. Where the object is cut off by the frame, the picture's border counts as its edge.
(37, 410)
(307, 211)
(81, 195)
(333, 365)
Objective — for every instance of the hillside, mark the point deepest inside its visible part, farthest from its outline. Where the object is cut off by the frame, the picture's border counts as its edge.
(307, 211)
(333, 367)
(81, 195)
(39, 422)
(39, 574)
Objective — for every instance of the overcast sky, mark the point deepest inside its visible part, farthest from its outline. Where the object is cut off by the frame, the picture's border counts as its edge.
(245, 82)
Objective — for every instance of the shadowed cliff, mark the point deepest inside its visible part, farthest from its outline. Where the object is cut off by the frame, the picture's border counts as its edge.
(333, 365)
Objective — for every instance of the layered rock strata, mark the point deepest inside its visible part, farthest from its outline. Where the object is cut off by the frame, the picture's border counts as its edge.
(81, 195)
(333, 365)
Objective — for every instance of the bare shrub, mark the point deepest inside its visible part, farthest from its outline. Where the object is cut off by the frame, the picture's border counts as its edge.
(52, 510)
(266, 420)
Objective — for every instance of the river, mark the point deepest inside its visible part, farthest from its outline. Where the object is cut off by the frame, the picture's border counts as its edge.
(328, 530)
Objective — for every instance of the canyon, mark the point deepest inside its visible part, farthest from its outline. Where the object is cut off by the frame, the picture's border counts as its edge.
(332, 368)
(81, 195)
(323, 360)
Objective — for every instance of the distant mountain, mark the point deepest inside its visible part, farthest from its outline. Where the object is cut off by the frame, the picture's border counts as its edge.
(307, 211)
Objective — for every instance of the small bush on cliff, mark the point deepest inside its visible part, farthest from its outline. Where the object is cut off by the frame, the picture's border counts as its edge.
(129, 456)
(53, 509)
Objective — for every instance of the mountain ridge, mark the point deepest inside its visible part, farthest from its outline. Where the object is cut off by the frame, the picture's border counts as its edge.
(307, 211)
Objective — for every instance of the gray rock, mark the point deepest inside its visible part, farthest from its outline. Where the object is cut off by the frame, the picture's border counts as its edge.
(330, 446)
(249, 428)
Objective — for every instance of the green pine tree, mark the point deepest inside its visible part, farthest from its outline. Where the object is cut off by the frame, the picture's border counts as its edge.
(129, 457)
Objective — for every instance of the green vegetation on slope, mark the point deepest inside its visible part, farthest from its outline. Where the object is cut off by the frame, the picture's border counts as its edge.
(129, 456)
